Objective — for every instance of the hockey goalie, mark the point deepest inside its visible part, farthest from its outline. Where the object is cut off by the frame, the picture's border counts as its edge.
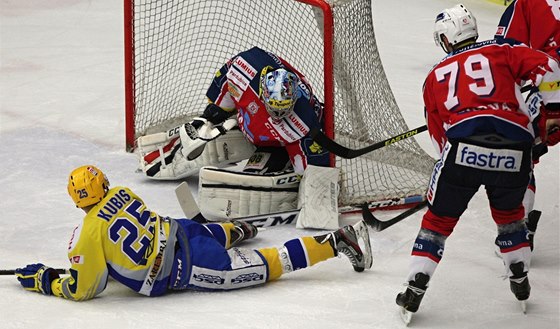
(261, 109)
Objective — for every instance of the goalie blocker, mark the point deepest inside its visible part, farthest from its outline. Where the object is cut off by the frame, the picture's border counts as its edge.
(225, 195)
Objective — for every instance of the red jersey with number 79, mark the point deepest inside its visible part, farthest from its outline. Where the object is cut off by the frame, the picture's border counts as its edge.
(475, 90)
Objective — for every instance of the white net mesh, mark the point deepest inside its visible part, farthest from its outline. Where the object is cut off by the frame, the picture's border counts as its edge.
(179, 45)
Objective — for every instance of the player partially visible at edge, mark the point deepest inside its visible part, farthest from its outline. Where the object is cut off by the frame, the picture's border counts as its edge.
(535, 23)
(483, 132)
(121, 238)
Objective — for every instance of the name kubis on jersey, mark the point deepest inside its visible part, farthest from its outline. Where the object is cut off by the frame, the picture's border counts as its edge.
(488, 159)
(115, 203)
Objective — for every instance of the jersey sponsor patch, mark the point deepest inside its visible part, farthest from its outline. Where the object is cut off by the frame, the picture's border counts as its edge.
(501, 31)
(78, 259)
(236, 78)
(488, 159)
(291, 129)
(242, 65)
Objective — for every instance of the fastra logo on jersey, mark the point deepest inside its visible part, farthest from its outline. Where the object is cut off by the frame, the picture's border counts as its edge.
(488, 159)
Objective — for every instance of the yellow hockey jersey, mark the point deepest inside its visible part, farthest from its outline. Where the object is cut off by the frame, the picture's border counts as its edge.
(121, 238)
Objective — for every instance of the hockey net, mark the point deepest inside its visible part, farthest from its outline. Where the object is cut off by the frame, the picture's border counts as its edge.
(173, 49)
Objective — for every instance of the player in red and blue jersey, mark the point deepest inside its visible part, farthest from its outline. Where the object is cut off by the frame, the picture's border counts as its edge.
(535, 23)
(483, 131)
(275, 108)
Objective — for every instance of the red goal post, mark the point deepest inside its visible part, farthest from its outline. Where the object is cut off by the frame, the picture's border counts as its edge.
(173, 48)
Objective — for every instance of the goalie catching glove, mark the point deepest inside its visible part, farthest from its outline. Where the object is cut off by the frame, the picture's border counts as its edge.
(182, 151)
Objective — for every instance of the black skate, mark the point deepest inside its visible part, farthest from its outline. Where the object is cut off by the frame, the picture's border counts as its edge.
(410, 300)
(346, 240)
(242, 231)
(531, 222)
(519, 284)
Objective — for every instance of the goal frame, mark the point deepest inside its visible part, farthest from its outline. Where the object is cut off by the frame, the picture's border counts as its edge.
(129, 70)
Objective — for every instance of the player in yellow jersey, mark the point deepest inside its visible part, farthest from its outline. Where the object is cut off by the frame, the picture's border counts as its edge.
(121, 238)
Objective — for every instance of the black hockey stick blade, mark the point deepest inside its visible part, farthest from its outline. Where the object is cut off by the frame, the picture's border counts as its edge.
(379, 225)
(348, 153)
(13, 272)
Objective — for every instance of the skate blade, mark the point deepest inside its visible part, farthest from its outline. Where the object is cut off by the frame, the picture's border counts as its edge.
(363, 233)
(406, 316)
(523, 304)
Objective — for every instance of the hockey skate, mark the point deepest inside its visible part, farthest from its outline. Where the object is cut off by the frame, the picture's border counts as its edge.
(409, 300)
(242, 231)
(531, 222)
(346, 240)
(519, 284)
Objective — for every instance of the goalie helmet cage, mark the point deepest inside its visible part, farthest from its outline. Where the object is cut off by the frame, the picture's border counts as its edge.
(174, 47)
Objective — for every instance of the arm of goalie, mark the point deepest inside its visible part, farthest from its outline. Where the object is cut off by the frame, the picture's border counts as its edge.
(318, 198)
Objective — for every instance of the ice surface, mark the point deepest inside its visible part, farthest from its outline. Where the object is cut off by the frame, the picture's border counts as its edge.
(61, 94)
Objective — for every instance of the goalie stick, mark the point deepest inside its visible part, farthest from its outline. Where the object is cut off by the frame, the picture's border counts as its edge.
(347, 153)
(12, 272)
(379, 225)
(192, 211)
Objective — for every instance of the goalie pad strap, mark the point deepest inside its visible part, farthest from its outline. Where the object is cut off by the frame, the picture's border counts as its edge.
(227, 194)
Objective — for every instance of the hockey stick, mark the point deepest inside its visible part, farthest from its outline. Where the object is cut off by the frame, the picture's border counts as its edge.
(12, 272)
(379, 225)
(348, 153)
(192, 211)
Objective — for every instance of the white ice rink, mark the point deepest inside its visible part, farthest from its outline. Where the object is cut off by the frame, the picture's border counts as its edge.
(62, 105)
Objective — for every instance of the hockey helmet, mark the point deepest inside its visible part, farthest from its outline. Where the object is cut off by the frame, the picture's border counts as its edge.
(87, 185)
(278, 91)
(457, 24)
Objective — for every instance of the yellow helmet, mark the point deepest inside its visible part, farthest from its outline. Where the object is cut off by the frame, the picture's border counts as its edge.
(87, 185)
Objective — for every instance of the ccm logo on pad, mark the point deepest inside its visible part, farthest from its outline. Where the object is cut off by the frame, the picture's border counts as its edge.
(488, 159)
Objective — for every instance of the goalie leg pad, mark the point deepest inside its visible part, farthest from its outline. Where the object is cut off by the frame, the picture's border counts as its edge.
(157, 152)
(318, 198)
(225, 194)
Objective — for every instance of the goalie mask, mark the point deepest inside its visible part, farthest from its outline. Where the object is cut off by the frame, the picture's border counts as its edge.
(278, 91)
(457, 24)
(87, 185)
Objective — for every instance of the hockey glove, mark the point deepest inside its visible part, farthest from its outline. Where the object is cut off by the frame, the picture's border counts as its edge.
(553, 136)
(37, 277)
(193, 137)
(195, 134)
